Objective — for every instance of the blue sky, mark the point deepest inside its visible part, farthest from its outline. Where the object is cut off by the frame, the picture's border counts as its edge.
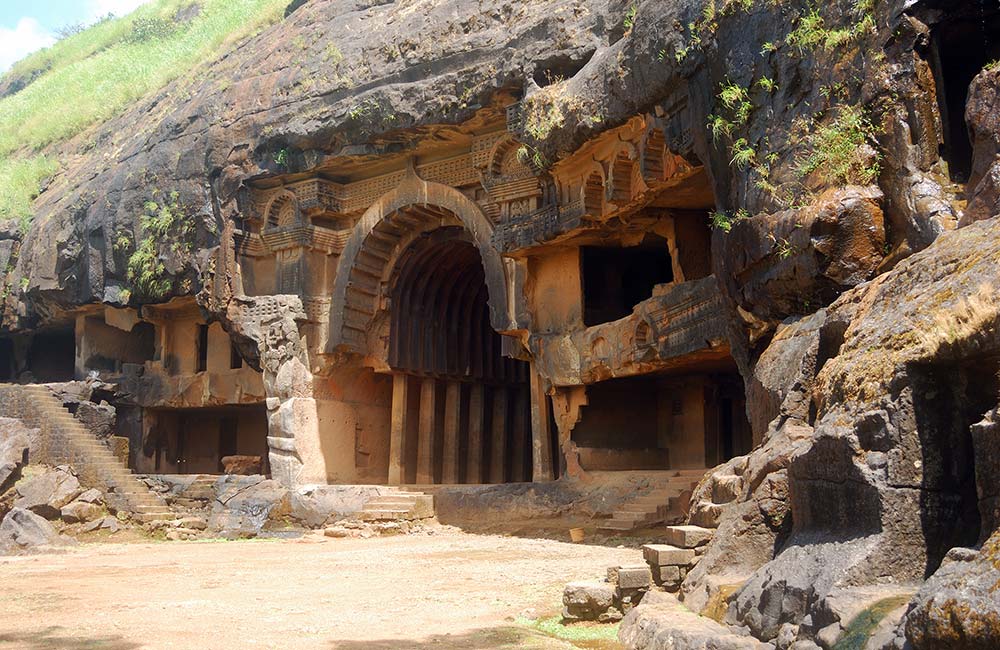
(26, 26)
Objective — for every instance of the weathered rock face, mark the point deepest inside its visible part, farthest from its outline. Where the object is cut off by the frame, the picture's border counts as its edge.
(47, 493)
(793, 261)
(896, 470)
(14, 445)
(958, 606)
(981, 114)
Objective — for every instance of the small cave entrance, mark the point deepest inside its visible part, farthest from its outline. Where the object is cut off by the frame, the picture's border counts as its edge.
(616, 279)
(961, 45)
(461, 406)
(949, 398)
(8, 362)
(52, 355)
(657, 422)
(194, 441)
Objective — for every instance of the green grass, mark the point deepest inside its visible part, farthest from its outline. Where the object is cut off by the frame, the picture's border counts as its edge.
(20, 179)
(837, 151)
(93, 76)
(574, 632)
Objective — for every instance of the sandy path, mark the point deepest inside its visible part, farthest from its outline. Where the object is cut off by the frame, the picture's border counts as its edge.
(439, 591)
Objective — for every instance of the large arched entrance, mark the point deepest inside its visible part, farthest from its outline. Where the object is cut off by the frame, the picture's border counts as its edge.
(461, 411)
(421, 293)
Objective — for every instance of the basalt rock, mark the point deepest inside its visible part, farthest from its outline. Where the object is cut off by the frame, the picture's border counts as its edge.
(14, 445)
(958, 607)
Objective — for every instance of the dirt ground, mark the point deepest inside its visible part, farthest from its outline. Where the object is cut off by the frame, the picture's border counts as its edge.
(445, 591)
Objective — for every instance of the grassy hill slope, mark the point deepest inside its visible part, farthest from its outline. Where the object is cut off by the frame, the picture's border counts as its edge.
(61, 92)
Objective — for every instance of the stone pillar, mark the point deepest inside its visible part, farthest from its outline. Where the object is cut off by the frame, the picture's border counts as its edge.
(541, 431)
(427, 431)
(498, 435)
(477, 430)
(398, 427)
(519, 434)
(452, 426)
(294, 450)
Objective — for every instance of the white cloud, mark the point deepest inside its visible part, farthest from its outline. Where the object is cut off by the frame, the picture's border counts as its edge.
(100, 8)
(21, 41)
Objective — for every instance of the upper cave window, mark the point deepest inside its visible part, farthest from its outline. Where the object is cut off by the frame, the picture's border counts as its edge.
(961, 46)
(615, 280)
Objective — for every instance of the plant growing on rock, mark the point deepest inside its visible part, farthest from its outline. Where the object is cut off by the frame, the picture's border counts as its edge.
(160, 223)
(841, 152)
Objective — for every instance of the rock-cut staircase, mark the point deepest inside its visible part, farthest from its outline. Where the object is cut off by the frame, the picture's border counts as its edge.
(398, 505)
(664, 502)
(66, 441)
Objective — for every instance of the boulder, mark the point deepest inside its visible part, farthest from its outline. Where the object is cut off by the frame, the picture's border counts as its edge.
(242, 465)
(47, 493)
(661, 622)
(587, 600)
(958, 607)
(22, 529)
(99, 419)
(14, 444)
(795, 261)
(246, 504)
(80, 512)
(91, 496)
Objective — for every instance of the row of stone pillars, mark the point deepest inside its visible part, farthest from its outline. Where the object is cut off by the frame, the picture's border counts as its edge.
(466, 432)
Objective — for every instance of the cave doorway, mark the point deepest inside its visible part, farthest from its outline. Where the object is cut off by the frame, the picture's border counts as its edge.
(676, 420)
(961, 45)
(461, 407)
(616, 279)
(194, 441)
(8, 363)
(948, 399)
(52, 355)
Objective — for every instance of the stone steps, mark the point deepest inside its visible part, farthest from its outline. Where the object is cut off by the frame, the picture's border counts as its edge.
(656, 506)
(398, 506)
(68, 442)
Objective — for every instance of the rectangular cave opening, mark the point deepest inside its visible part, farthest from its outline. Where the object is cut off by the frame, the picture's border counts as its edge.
(616, 279)
(195, 441)
(51, 356)
(8, 362)
(948, 399)
(657, 422)
(961, 45)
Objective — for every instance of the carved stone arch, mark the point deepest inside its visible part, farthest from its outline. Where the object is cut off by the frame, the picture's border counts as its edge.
(504, 159)
(375, 240)
(620, 190)
(592, 190)
(282, 211)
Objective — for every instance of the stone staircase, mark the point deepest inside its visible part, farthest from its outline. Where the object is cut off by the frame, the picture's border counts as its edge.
(399, 504)
(66, 441)
(667, 501)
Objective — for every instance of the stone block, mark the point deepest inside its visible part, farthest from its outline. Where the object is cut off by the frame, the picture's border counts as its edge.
(706, 515)
(636, 576)
(668, 574)
(658, 555)
(587, 600)
(689, 536)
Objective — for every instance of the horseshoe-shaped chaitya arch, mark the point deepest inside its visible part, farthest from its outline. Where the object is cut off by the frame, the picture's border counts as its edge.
(369, 251)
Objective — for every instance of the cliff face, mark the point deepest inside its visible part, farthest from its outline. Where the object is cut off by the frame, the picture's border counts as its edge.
(334, 79)
(867, 328)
